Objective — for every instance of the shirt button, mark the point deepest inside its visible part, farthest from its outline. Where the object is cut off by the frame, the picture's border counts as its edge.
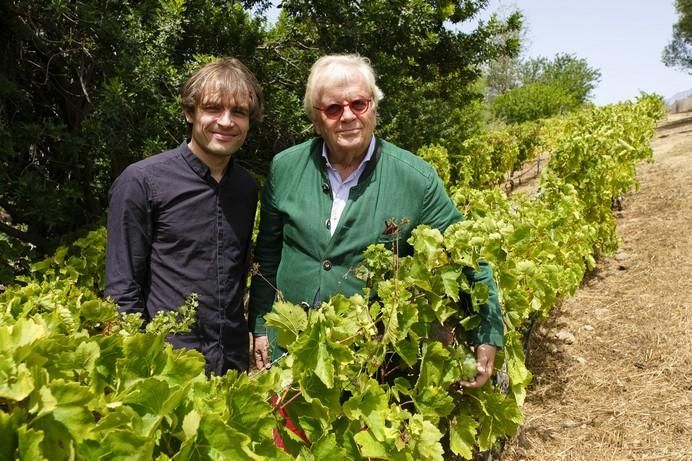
(327, 265)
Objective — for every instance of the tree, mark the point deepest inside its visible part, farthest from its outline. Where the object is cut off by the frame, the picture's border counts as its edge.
(570, 73)
(88, 87)
(547, 87)
(532, 102)
(502, 73)
(678, 53)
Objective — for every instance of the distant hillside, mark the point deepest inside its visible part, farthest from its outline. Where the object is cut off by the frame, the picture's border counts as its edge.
(679, 96)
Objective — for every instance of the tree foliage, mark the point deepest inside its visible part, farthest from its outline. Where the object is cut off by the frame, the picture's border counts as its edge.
(678, 53)
(502, 73)
(533, 101)
(567, 71)
(547, 87)
(88, 87)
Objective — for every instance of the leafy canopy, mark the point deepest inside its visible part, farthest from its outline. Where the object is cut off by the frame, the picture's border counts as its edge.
(547, 87)
(678, 53)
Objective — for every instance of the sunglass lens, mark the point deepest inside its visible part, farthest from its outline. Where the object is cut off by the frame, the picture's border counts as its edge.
(334, 110)
(359, 105)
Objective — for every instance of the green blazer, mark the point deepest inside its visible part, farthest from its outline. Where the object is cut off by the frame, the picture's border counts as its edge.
(296, 252)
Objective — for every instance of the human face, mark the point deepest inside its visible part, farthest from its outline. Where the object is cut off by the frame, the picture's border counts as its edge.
(348, 136)
(219, 128)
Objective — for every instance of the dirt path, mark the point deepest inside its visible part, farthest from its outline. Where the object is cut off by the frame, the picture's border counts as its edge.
(613, 365)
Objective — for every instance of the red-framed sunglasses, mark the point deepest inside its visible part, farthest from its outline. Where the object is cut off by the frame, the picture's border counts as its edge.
(334, 111)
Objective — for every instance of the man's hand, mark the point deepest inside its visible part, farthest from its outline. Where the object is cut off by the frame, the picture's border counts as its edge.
(261, 349)
(485, 358)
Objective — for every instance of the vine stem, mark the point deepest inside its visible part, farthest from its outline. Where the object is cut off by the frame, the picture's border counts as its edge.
(255, 270)
(288, 402)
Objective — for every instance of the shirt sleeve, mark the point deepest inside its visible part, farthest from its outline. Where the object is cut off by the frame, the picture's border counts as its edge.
(267, 257)
(129, 241)
(439, 211)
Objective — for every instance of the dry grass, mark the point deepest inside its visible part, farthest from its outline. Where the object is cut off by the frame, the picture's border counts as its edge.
(613, 365)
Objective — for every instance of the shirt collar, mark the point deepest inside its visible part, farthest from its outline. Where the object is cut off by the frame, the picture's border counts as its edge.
(198, 166)
(368, 154)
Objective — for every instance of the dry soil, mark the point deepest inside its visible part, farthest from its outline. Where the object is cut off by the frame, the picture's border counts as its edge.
(613, 364)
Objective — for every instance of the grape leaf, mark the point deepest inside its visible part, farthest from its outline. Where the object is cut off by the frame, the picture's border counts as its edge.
(462, 435)
(288, 319)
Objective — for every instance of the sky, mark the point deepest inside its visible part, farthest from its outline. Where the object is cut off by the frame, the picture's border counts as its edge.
(624, 39)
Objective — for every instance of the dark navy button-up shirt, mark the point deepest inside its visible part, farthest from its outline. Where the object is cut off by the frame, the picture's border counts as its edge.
(172, 231)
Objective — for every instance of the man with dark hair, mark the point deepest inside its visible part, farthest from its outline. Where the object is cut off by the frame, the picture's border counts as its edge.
(181, 222)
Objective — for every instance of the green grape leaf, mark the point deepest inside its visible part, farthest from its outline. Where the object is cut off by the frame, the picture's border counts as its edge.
(314, 390)
(121, 444)
(248, 410)
(433, 402)
(371, 407)
(400, 388)
(9, 424)
(30, 444)
(470, 322)
(288, 319)
(427, 439)
(118, 417)
(16, 340)
(84, 357)
(144, 355)
(408, 351)
(327, 448)
(348, 317)
(462, 435)
(521, 233)
(191, 424)
(16, 383)
(67, 403)
(501, 417)
(97, 310)
(147, 396)
(433, 364)
(370, 447)
(216, 440)
(479, 295)
(311, 354)
(419, 274)
(519, 375)
(526, 267)
(183, 366)
(427, 243)
(450, 279)
(407, 317)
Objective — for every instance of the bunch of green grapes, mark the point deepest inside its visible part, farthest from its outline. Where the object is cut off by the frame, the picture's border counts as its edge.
(466, 361)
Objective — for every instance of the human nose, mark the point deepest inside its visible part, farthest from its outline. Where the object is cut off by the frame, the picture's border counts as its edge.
(347, 113)
(226, 118)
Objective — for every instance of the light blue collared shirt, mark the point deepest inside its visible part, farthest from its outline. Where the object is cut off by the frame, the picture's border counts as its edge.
(341, 189)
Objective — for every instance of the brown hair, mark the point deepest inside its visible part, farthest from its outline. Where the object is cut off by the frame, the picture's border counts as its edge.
(227, 79)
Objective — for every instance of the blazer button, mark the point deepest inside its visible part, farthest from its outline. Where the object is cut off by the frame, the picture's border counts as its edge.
(327, 265)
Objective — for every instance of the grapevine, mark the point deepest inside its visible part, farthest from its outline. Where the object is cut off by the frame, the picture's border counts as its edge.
(362, 378)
